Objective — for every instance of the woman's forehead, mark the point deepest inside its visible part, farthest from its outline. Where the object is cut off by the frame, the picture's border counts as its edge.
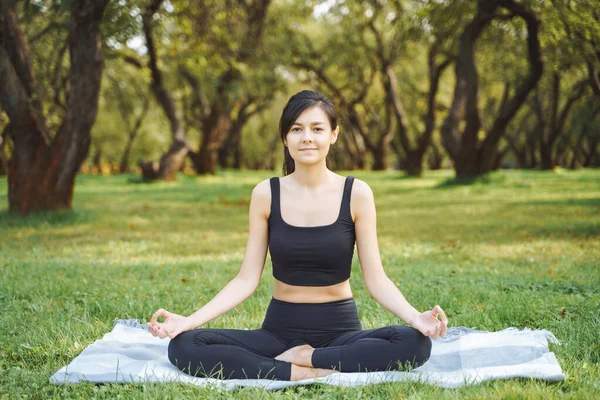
(313, 116)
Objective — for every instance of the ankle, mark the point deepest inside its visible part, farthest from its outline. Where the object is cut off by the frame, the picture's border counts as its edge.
(306, 355)
(300, 372)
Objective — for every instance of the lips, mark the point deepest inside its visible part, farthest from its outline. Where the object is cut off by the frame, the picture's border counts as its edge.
(306, 149)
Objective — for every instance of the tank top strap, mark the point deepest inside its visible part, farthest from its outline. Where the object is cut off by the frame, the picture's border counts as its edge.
(346, 198)
(275, 197)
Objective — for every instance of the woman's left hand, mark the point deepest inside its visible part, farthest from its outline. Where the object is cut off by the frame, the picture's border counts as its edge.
(428, 324)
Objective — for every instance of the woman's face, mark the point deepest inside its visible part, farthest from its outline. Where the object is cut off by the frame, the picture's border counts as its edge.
(309, 138)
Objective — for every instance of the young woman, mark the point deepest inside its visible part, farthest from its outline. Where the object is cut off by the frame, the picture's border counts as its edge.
(309, 220)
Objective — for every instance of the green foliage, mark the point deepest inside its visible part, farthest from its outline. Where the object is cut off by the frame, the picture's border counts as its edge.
(205, 37)
(514, 249)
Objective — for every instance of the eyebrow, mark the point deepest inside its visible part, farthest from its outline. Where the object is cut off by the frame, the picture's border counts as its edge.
(312, 123)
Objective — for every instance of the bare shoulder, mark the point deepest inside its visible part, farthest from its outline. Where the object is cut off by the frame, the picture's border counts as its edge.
(262, 189)
(361, 191)
(362, 201)
(261, 197)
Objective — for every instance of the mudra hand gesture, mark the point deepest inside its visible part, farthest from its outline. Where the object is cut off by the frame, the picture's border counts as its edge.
(174, 324)
(428, 324)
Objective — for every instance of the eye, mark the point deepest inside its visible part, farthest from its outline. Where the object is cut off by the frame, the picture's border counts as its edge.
(319, 129)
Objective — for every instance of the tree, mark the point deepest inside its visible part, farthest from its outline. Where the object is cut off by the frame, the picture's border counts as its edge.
(230, 152)
(585, 146)
(471, 155)
(581, 21)
(3, 139)
(414, 146)
(44, 164)
(210, 62)
(551, 123)
(127, 95)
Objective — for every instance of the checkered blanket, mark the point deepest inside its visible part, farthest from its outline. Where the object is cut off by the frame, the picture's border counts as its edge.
(129, 353)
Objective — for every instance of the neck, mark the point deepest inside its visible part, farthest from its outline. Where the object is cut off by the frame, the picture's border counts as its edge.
(312, 176)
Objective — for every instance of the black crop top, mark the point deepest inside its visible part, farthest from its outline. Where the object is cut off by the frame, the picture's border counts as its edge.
(311, 255)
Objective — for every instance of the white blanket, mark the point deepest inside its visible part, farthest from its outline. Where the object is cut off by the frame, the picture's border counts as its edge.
(129, 353)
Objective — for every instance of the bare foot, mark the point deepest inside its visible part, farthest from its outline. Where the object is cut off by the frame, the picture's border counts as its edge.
(299, 355)
(299, 372)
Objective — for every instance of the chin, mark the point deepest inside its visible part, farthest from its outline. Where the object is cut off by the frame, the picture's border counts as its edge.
(308, 162)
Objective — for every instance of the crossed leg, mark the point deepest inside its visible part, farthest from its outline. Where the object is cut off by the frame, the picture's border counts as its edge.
(368, 350)
(235, 354)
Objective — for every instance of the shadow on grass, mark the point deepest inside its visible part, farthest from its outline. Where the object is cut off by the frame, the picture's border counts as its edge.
(562, 202)
(579, 230)
(455, 182)
(44, 218)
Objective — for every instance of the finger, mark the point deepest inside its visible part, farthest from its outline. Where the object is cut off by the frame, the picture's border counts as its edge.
(161, 312)
(444, 322)
(444, 327)
(442, 314)
(438, 329)
(154, 331)
(433, 333)
(161, 333)
(151, 329)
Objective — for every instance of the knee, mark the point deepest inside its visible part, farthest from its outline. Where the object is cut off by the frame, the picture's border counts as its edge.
(179, 349)
(174, 350)
(422, 348)
(417, 344)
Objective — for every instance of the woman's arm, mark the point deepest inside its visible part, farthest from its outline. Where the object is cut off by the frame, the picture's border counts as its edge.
(381, 288)
(239, 288)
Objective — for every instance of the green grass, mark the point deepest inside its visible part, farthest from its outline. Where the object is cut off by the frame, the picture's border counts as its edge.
(518, 248)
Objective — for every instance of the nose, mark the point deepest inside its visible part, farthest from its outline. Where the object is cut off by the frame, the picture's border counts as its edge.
(307, 136)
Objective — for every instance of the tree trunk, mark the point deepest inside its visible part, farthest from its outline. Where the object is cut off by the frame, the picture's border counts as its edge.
(498, 157)
(41, 173)
(168, 165)
(415, 154)
(532, 147)
(132, 131)
(97, 159)
(215, 128)
(3, 158)
(230, 151)
(554, 128)
(379, 159)
(414, 163)
(519, 152)
(472, 157)
(170, 162)
(435, 157)
(354, 146)
(590, 157)
(547, 161)
(224, 153)
(124, 163)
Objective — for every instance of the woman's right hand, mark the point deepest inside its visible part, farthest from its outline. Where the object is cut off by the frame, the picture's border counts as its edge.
(174, 324)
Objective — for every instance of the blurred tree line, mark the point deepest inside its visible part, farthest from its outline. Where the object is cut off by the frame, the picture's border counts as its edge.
(161, 86)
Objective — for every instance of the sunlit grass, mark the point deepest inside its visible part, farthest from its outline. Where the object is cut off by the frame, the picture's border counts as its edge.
(518, 248)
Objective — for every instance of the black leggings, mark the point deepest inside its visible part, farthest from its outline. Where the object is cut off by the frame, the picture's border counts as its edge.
(333, 329)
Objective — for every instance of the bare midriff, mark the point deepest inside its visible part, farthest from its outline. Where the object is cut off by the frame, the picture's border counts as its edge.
(312, 294)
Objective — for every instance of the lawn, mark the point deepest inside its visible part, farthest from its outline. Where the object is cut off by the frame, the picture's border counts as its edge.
(518, 248)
